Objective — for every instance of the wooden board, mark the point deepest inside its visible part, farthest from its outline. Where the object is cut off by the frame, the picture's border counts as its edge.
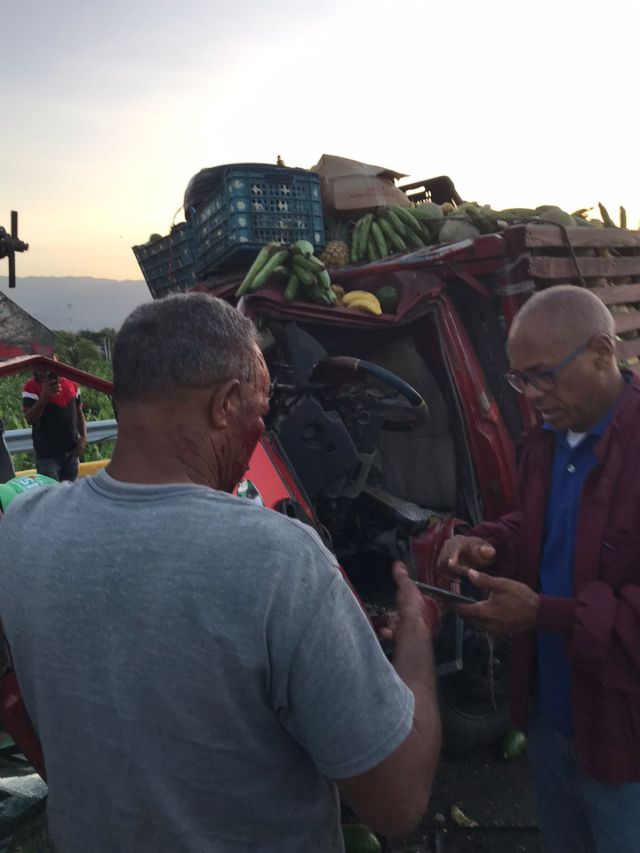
(519, 237)
(621, 294)
(565, 269)
(627, 322)
(628, 349)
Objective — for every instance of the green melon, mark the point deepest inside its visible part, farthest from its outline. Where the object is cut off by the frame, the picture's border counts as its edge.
(551, 213)
(455, 230)
(514, 744)
(388, 297)
(358, 838)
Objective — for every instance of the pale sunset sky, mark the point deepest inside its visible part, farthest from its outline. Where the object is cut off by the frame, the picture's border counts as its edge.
(109, 108)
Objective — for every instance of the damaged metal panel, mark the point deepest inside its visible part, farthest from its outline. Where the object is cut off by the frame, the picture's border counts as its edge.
(20, 333)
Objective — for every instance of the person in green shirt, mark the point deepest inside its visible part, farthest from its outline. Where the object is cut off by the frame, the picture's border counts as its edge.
(18, 485)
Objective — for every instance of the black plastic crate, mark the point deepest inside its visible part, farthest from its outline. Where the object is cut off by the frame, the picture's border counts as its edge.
(438, 190)
(168, 264)
(255, 204)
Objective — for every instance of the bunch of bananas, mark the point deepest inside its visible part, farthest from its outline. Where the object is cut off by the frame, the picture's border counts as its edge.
(608, 221)
(390, 230)
(297, 267)
(361, 299)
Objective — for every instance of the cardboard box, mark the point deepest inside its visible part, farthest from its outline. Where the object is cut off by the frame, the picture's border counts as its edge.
(351, 187)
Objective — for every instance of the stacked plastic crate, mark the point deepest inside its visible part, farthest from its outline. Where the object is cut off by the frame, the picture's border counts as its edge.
(254, 204)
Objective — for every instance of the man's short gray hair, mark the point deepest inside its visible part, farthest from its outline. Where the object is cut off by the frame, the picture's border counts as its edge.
(572, 314)
(188, 341)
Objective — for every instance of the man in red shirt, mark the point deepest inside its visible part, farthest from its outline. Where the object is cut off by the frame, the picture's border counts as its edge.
(52, 405)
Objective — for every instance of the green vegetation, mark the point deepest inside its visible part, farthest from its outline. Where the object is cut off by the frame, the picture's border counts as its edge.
(89, 351)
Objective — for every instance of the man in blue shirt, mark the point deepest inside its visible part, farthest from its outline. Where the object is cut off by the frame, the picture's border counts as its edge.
(573, 460)
(566, 566)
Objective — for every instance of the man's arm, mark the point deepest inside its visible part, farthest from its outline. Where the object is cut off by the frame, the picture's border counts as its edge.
(371, 726)
(393, 796)
(603, 627)
(33, 409)
(505, 535)
(82, 429)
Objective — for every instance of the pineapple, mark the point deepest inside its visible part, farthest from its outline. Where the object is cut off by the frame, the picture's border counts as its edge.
(336, 253)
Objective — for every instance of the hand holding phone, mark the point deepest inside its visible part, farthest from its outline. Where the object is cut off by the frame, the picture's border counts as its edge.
(50, 385)
(446, 596)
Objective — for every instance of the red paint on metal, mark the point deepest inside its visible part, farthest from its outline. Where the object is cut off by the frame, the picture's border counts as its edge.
(491, 447)
(80, 377)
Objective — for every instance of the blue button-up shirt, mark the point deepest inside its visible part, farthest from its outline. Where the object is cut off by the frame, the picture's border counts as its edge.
(571, 467)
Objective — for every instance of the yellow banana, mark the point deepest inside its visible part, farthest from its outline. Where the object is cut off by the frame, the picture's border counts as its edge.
(356, 294)
(370, 305)
(365, 297)
(461, 819)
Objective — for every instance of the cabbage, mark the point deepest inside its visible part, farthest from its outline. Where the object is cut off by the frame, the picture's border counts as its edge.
(454, 230)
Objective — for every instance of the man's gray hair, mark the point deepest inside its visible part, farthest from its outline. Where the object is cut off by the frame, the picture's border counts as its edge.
(572, 314)
(188, 341)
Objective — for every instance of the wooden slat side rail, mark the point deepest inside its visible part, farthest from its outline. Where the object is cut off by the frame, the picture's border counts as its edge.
(564, 269)
(621, 294)
(627, 322)
(628, 349)
(519, 237)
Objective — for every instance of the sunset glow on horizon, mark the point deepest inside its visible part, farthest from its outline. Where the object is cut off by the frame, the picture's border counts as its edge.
(109, 110)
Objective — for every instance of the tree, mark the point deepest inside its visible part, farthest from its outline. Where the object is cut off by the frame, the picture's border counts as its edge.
(77, 350)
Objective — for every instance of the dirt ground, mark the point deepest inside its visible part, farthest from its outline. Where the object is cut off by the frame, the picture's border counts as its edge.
(494, 793)
(489, 790)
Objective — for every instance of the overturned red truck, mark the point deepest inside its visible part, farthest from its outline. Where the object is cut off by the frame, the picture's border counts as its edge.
(387, 432)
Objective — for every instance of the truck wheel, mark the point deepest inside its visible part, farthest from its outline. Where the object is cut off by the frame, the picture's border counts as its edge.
(471, 717)
(466, 728)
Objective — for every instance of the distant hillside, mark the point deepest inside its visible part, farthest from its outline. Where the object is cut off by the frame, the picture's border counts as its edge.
(76, 303)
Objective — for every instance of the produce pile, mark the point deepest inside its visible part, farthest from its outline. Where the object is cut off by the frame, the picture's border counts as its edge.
(394, 229)
(298, 269)
(402, 229)
(387, 231)
(302, 274)
(383, 301)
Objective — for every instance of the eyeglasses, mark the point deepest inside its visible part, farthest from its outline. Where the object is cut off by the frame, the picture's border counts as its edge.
(542, 380)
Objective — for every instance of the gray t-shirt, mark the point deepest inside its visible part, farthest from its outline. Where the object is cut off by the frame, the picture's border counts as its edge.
(196, 667)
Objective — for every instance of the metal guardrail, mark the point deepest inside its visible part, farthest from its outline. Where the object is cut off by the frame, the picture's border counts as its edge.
(19, 440)
(85, 469)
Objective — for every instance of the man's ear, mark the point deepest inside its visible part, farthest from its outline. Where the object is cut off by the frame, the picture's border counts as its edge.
(604, 348)
(224, 400)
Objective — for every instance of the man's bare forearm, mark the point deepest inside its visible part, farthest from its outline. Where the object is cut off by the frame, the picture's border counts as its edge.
(413, 661)
(82, 424)
(392, 797)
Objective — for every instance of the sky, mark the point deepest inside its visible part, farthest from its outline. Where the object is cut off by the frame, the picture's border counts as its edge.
(109, 108)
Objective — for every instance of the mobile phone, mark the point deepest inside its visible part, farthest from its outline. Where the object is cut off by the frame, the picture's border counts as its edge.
(446, 595)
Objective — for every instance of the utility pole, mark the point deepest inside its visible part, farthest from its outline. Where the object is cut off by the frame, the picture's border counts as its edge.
(10, 244)
(106, 349)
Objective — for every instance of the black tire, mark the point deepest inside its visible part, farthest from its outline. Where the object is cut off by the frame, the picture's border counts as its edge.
(467, 731)
(471, 717)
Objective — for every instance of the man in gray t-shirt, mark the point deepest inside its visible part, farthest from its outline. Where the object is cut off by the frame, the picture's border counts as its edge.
(198, 671)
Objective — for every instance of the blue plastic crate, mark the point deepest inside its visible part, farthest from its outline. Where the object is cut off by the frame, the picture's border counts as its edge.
(253, 205)
(168, 264)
